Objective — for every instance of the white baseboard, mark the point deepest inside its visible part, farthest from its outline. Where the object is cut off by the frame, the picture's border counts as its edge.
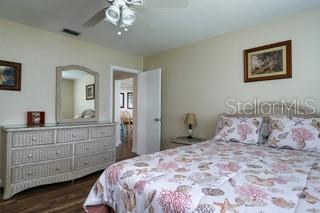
(1, 183)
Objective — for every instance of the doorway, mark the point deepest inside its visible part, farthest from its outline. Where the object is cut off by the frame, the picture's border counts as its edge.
(138, 133)
(125, 111)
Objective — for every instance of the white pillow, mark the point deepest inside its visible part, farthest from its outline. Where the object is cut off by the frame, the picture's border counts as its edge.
(244, 130)
(295, 133)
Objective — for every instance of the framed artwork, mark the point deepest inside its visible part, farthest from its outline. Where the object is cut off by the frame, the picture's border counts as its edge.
(35, 118)
(268, 62)
(10, 76)
(90, 92)
(121, 100)
(130, 100)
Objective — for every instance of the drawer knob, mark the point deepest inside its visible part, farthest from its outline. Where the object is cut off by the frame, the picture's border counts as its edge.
(34, 139)
(86, 162)
(30, 173)
(58, 152)
(106, 145)
(30, 155)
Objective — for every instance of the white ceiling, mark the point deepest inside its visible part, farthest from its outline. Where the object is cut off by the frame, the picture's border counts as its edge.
(171, 27)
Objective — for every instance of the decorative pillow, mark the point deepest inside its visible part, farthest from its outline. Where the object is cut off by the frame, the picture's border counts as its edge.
(244, 130)
(295, 133)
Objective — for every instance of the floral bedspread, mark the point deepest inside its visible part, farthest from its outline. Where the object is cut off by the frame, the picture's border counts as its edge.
(212, 177)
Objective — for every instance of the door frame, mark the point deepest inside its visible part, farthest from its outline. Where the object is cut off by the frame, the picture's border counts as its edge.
(114, 68)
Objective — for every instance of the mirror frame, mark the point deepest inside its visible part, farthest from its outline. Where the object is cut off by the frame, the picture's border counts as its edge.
(59, 71)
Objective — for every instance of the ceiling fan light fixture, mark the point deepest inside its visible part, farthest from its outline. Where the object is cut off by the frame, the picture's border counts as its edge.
(113, 14)
(128, 16)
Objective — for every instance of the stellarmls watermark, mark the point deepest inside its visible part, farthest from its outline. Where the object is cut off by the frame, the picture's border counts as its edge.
(234, 106)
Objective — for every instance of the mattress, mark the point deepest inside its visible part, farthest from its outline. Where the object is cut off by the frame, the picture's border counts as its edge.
(212, 177)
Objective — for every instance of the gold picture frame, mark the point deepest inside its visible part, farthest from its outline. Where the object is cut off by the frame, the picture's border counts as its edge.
(269, 62)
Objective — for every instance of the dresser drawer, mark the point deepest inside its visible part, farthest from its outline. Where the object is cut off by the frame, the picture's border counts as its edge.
(100, 132)
(74, 134)
(32, 138)
(40, 170)
(107, 144)
(94, 160)
(32, 155)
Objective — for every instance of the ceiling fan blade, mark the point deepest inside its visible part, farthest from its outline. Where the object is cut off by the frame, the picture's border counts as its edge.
(166, 3)
(96, 18)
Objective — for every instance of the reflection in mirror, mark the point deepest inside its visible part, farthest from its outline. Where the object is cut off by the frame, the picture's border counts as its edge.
(77, 94)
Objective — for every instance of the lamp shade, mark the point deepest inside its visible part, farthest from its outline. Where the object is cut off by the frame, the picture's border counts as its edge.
(190, 119)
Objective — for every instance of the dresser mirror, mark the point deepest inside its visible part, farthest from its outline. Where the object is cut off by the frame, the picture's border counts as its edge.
(77, 94)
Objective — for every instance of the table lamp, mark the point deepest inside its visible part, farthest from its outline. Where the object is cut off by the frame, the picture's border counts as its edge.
(190, 120)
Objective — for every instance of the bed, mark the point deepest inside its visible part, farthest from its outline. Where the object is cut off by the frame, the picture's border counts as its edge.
(213, 176)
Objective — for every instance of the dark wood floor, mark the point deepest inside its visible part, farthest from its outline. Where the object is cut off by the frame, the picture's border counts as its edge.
(65, 197)
(124, 150)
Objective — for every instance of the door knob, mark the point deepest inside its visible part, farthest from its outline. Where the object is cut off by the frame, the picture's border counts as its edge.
(157, 119)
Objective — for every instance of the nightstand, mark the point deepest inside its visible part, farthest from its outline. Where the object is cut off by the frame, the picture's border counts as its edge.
(184, 141)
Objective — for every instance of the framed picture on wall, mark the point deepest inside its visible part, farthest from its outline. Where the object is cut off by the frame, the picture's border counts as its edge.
(35, 118)
(90, 92)
(269, 62)
(10, 76)
(130, 100)
(121, 100)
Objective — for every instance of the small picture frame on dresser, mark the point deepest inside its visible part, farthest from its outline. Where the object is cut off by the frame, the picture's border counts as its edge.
(35, 118)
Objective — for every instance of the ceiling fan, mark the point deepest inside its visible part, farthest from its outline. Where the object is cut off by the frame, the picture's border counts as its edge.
(123, 14)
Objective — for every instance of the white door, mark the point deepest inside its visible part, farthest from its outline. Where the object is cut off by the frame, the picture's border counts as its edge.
(149, 112)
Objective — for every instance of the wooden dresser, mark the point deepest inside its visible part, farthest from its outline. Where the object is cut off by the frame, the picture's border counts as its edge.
(51, 154)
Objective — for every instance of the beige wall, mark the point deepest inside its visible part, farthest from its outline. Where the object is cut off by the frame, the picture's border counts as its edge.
(40, 52)
(67, 98)
(80, 99)
(200, 77)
